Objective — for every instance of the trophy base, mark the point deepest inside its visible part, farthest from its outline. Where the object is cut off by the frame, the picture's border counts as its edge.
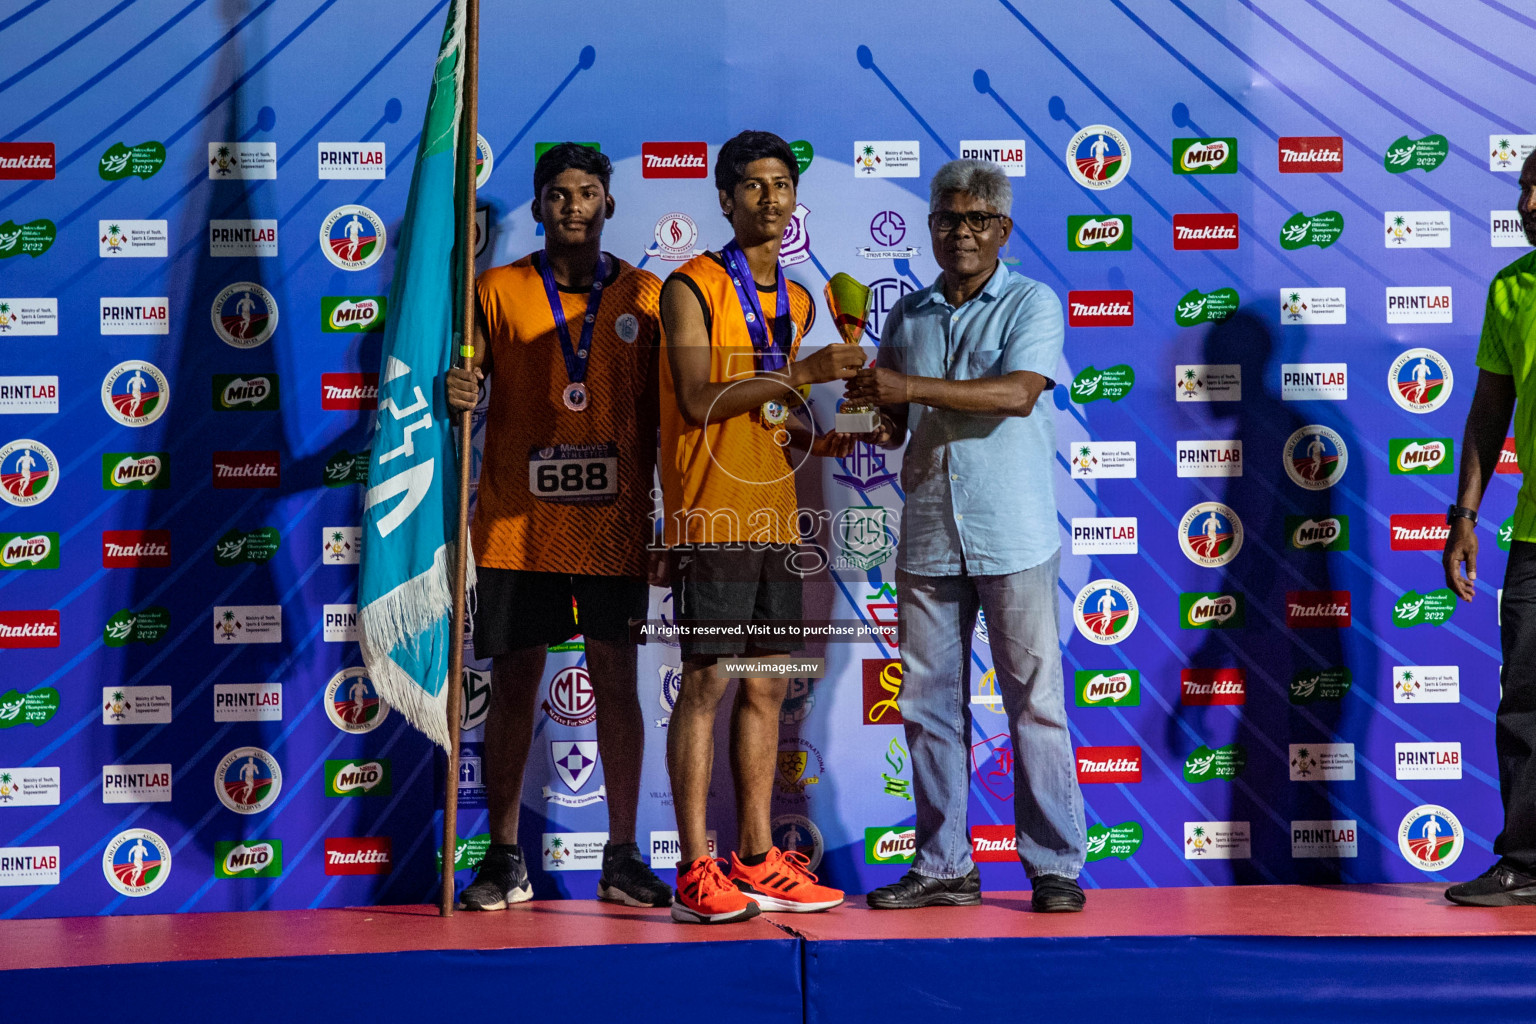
(862, 422)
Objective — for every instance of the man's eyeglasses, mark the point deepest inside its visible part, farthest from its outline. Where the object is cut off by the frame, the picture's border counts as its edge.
(947, 220)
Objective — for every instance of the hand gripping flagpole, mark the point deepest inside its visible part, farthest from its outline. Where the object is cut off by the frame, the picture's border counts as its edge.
(467, 152)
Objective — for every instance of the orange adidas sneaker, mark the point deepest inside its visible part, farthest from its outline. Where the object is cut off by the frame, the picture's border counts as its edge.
(783, 881)
(705, 896)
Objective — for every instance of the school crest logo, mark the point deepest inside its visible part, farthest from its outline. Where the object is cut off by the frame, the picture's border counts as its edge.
(352, 237)
(1099, 157)
(248, 780)
(1315, 457)
(135, 393)
(28, 472)
(244, 315)
(1105, 611)
(1211, 534)
(1420, 380)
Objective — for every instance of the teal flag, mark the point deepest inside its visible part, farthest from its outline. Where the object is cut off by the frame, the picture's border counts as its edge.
(411, 506)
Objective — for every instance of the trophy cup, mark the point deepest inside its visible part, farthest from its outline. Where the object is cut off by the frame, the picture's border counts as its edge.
(849, 302)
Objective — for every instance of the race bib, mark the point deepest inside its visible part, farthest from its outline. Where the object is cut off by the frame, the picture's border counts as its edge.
(575, 474)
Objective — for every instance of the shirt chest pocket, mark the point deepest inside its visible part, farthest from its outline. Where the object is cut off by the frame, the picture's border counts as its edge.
(984, 362)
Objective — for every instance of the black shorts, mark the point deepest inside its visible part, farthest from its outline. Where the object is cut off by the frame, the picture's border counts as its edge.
(720, 583)
(515, 608)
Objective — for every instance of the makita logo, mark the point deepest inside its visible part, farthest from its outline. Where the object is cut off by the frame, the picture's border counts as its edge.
(1419, 532)
(1101, 308)
(674, 160)
(122, 549)
(1205, 231)
(361, 856)
(246, 469)
(1509, 460)
(1200, 687)
(1108, 764)
(1314, 154)
(995, 843)
(29, 629)
(1309, 608)
(349, 391)
(26, 161)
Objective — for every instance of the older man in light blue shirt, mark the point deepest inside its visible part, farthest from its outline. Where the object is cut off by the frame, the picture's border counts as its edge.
(962, 366)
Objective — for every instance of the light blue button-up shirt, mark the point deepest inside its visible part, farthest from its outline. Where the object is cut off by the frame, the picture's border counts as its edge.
(979, 493)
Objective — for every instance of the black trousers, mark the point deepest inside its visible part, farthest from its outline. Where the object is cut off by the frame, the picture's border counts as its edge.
(1515, 724)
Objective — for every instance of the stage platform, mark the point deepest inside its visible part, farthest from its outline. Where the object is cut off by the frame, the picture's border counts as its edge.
(1343, 953)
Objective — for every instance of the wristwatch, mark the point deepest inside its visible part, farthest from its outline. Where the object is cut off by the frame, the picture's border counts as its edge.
(1460, 512)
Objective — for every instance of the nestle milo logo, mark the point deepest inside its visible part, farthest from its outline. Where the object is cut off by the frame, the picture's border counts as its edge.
(895, 845)
(241, 546)
(30, 239)
(129, 627)
(140, 471)
(1120, 840)
(1311, 685)
(357, 778)
(31, 708)
(344, 467)
(1328, 533)
(1092, 384)
(249, 858)
(1206, 763)
(1204, 156)
(1211, 611)
(1199, 307)
(120, 161)
(1421, 455)
(358, 314)
(29, 551)
(1089, 233)
(1120, 689)
(1425, 155)
(1322, 230)
(1432, 609)
(257, 392)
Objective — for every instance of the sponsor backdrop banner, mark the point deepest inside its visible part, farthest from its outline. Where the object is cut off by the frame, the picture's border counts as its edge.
(1271, 235)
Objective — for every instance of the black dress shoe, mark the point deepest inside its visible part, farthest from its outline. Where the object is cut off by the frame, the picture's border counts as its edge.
(1056, 895)
(1499, 886)
(915, 890)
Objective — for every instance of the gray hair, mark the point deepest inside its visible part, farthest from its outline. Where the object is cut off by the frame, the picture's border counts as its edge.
(979, 178)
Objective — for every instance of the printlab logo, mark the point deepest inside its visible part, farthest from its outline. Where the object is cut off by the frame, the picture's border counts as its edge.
(1099, 157)
(1006, 153)
(1108, 535)
(1428, 760)
(1419, 305)
(1105, 612)
(573, 762)
(1315, 457)
(256, 238)
(1204, 156)
(1420, 380)
(1316, 382)
(351, 159)
(135, 316)
(29, 395)
(1210, 458)
(248, 780)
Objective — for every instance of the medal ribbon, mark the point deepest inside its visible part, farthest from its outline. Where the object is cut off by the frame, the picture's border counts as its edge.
(575, 358)
(774, 352)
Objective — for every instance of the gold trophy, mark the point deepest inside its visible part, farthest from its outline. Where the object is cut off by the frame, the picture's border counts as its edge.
(849, 302)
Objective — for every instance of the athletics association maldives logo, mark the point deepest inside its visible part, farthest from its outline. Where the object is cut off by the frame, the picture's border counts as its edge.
(352, 237)
(1211, 534)
(28, 472)
(136, 862)
(1315, 457)
(135, 393)
(1105, 611)
(571, 702)
(352, 702)
(1430, 838)
(1099, 157)
(244, 315)
(1420, 380)
(248, 780)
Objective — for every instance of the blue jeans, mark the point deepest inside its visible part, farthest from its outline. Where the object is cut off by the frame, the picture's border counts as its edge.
(936, 617)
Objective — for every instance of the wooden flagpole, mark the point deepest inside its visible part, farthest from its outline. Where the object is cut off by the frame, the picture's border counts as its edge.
(467, 136)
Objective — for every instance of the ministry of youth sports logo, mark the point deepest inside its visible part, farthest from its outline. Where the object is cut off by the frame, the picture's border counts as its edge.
(135, 393)
(352, 702)
(1420, 380)
(244, 315)
(28, 472)
(1315, 457)
(248, 780)
(136, 862)
(1105, 611)
(352, 237)
(1430, 838)
(1211, 534)
(1099, 157)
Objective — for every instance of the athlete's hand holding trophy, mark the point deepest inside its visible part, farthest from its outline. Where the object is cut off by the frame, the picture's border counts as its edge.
(849, 302)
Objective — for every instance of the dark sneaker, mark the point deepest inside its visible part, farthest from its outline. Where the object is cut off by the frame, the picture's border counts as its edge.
(1499, 886)
(501, 879)
(628, 880)
(915, 890)
(1056, 895)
